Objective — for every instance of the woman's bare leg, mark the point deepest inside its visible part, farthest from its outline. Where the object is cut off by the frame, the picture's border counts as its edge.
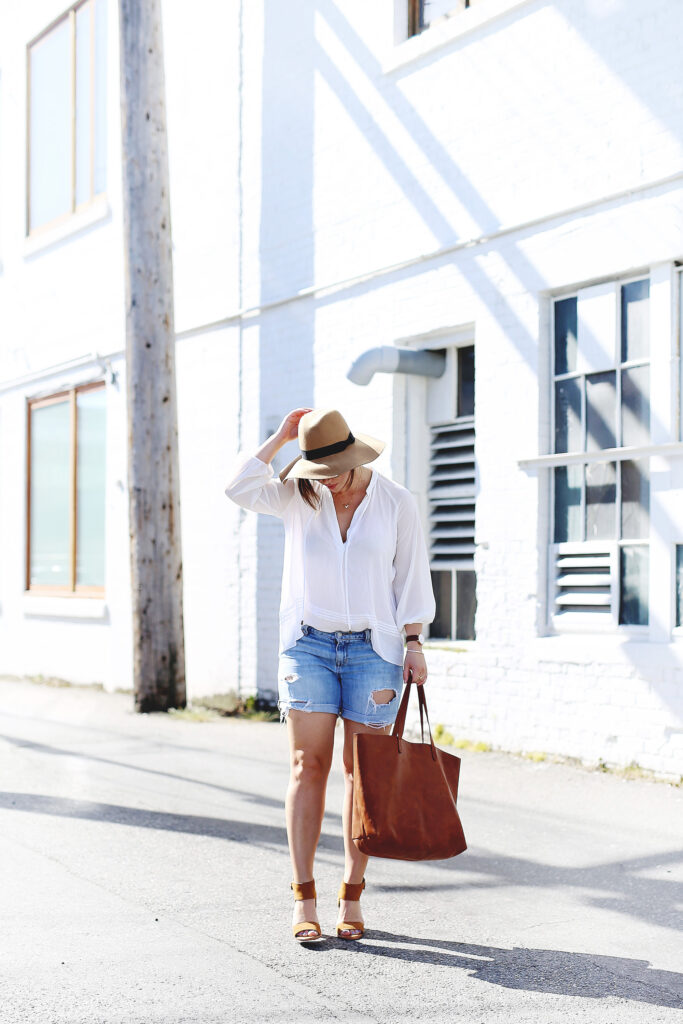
(311, 742)
(354, 861)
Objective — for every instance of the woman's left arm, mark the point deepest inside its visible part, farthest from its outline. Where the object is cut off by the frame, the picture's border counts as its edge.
(412, 583)
(415, 661)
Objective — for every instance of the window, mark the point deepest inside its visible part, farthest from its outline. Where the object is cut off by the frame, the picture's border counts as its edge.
(451, 510)
(601, 504)
(67, 114)
(66, 492)
(423, 13)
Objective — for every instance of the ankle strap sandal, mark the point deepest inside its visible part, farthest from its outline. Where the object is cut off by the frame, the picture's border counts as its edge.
(350, 930)
(302, 930)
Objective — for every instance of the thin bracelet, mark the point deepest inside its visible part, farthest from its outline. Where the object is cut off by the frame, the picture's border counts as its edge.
(409, 650)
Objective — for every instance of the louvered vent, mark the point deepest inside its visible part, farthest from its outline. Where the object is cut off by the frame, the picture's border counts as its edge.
(451, 495)
(583, 582)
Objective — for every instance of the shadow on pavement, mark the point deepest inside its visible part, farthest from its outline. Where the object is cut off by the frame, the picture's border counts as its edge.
(45, 748)
(620, 887)
(589, 975)
(616, 885)
(220, 828)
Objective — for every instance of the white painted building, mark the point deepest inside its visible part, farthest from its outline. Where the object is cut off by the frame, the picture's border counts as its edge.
(503, 186)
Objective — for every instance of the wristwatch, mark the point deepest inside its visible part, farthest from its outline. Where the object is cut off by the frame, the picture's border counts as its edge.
(417, 637)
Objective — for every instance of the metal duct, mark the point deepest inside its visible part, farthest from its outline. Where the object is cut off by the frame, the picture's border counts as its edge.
(390, 359)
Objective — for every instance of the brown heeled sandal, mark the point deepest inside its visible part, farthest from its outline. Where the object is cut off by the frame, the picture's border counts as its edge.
(305, 891)
(350, 891)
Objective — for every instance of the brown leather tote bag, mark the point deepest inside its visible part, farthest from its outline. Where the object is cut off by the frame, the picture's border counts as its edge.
(404, 794)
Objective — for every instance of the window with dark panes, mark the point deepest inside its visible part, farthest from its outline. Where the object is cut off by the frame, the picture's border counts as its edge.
(452, 511)
(66, 491)
(602, 404)
(67, 146)
(423, 13)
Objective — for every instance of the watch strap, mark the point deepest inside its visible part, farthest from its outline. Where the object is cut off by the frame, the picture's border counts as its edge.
(414, 636)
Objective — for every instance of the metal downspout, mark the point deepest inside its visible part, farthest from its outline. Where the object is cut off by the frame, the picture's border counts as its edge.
(391, 359)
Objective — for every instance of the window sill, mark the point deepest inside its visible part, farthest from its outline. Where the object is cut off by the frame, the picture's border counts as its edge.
(450, 646)
(447, 29)
(76, 223)
(630, 648)
(670, 449)
(64, 607)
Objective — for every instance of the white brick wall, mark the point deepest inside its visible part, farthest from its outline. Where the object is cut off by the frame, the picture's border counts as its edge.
(550, 133)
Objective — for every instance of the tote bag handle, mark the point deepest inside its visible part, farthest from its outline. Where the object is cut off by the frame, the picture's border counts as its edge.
(399, 724)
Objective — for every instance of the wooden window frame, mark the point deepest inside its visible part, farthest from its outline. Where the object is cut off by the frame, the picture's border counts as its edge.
(73, 589)
(416, 12)
(69, 14)
(415, 15)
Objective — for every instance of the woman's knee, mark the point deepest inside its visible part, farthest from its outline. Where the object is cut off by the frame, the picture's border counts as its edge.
(309, 768)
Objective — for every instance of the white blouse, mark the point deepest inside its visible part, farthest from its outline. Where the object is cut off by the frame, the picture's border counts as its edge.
(378, 580)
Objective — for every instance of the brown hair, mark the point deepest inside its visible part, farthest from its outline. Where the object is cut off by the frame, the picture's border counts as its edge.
(308, 492)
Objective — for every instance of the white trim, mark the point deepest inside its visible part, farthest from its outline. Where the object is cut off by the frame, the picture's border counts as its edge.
(673, 450)
(607, 649)
(92, 359)
(345, 284)
(445, 30)
(44, 238)
(64, 607)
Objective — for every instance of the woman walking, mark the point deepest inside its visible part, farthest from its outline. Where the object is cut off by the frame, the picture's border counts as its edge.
(356, 575)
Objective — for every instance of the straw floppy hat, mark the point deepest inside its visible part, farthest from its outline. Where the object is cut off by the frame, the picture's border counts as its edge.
(328, 448)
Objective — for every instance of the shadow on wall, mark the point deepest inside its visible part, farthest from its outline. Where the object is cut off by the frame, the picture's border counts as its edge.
(287, 244)
(596, 27)
(286, 247)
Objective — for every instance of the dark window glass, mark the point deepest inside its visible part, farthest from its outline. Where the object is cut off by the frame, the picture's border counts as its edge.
(565, 336)
(67, 512)
(635, 320)
(50, 150)
(635, 499)
(466, 381)
(466, 603)
(50, 554)
(68, 114)
(568, 436)
(635, 406)
(568, 503)
(91, 487)
(634, 570)
(679, 584)
(601, 494)
(442, 582)
(601, 411)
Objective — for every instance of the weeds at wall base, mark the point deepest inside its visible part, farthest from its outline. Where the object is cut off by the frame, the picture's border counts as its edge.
(630, 772)
(231, 705)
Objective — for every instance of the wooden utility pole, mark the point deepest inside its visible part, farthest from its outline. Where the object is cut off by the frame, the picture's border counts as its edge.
(153, 475)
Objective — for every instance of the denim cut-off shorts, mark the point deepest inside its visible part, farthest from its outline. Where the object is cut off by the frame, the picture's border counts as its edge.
(338, 673)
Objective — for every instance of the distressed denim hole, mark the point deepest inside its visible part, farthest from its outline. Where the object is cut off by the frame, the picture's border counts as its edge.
(383, 696)
(285, 706)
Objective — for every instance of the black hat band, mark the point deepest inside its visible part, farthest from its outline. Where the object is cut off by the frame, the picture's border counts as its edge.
(330, 449)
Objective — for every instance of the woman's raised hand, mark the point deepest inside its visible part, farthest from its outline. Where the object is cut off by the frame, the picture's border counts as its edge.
(289, 428)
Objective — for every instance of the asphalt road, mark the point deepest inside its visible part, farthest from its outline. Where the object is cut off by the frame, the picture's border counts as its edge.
(146, 879)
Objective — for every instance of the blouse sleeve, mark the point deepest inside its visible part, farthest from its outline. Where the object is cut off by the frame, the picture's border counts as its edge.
(252, 486)
(412, 583)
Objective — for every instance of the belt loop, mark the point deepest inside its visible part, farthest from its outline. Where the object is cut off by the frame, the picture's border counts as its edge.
(304, 629)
